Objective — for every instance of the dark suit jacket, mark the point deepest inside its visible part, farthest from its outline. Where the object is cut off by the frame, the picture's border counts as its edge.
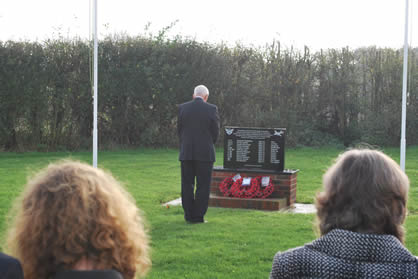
(10, 268)
(198, 130)
(88, 274)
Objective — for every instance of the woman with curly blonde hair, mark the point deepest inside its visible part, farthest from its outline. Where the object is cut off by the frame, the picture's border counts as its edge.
(360, 215)
(71, 217)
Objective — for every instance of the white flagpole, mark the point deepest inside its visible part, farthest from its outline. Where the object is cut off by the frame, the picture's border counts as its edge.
(95, 84)
(404, 88)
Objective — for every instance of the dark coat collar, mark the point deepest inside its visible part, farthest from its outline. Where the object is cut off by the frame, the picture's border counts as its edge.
(198, 99)
(362, 247)
(88, 274)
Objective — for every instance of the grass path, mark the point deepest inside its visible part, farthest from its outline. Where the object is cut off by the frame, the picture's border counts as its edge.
(235, 243)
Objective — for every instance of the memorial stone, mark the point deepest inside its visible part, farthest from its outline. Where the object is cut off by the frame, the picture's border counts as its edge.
(254, 148)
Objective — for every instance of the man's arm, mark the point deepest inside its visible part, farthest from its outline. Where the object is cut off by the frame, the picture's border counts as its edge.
(215, 126)
(179, 122)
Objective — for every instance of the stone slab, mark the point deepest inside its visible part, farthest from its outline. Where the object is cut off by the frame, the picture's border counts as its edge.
(299, 208)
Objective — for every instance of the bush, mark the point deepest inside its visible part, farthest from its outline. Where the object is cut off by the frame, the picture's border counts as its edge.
(332, 97)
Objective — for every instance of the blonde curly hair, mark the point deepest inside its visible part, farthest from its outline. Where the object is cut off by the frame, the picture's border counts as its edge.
(70, 211)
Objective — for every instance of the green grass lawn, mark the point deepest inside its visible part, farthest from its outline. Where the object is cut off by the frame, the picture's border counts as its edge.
(234, 243)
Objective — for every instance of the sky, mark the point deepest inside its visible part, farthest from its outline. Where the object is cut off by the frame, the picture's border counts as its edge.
(314, 23)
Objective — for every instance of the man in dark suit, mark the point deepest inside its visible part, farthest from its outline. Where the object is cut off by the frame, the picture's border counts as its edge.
(10, 268)
(198, 130)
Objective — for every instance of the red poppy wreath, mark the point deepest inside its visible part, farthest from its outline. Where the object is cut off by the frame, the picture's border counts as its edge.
(255, 189)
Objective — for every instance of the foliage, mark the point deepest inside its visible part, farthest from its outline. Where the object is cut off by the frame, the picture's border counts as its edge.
(330, 97)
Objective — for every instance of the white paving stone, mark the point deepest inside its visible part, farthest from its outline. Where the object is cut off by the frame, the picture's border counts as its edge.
(302, 208)
(175, 202)
(297, 207)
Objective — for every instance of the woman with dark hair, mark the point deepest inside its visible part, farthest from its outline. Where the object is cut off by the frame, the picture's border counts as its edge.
(360, 218)
(76, 221)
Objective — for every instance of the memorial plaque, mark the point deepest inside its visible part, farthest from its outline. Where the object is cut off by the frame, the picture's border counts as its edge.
(254, 148)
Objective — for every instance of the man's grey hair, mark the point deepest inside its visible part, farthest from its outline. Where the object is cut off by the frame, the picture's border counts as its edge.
(201, 91)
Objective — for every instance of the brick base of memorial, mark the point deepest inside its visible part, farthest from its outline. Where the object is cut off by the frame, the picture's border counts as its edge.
(283, 196)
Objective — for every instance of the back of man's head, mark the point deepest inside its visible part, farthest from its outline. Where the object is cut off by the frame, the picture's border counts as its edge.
(201, 91)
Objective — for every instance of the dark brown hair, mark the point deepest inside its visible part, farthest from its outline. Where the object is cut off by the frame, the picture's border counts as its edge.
(364, 191)
(71, 210)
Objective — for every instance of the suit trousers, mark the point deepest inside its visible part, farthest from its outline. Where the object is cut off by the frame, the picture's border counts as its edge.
(195, 204)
